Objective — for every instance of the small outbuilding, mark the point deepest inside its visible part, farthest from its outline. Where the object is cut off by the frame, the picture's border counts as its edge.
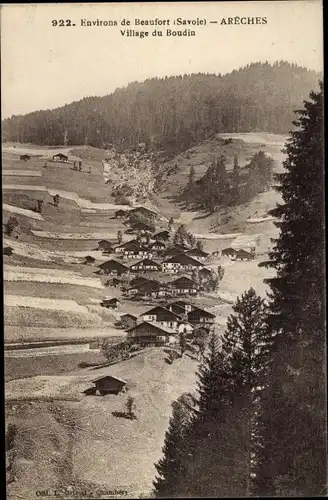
(60, 157)
(109, 385)
(25, 157)
(110, 302)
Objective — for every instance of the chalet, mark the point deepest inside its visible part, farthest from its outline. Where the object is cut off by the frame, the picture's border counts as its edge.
(138, 281)
(157, 246)
(25, 157)
(196, 253)
(144, 211)
(177, 309)
(162, 236)
(229, 252)
(166, 318)
(128, 320)
(150, 288)
(141, 226)
(116, 282)
(181, 262)
(133, 250)
(109, 385)
(198, 316)
(111, 303)
(60, 157)
(113, 267)
(89, 260)
(146, 265)
(184, 286)
(120, 214)
(204, 274)
(105, 246)
(175, 250)
(151, 334)
(244, 255)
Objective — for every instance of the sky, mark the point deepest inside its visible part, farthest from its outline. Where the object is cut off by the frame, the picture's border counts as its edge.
(45, 66)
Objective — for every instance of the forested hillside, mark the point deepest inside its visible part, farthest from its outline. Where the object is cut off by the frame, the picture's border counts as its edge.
(174, 112)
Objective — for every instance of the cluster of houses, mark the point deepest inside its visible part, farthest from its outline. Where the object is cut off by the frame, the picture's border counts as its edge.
(163, 324)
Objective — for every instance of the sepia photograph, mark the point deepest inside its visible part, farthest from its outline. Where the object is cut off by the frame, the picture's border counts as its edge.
(163, 226)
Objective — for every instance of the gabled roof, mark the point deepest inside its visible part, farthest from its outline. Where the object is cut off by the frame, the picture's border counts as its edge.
(157, 243)
(138, 281)
(131, 245)
(244, 252)
(128, 315)
(113, 264)
(142, 209)
(182, 258)
(205, 271)
(173, 251)
(229, 249)
(104, 242)
(197, 251)
(61, 155)
(109, 377)
(158, 310)
(155, 326)
(184, 281)
(162, 234)
(146, 262)
(201, 311)
(148, 285)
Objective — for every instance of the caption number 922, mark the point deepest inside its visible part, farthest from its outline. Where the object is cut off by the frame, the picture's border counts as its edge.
(62, 22)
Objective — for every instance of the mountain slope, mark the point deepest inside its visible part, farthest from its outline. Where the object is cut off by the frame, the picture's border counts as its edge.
(174, 113)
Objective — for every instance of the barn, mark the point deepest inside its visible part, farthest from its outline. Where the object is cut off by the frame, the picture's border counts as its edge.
(109, 385)
(244, 255)
(229, 252)
(60, 157)
(150, 334)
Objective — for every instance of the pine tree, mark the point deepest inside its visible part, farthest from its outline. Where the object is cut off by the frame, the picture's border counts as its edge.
(246, 345)
(293, 458)
(190, 187)
(235, 180)
(171, 467)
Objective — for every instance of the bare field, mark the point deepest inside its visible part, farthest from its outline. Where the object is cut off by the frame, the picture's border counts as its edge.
(35, 333)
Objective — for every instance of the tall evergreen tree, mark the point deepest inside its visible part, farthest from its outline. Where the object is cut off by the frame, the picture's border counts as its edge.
(171, 466)
(293, 458)
(246, 346)
(235, 180)
(189, 191)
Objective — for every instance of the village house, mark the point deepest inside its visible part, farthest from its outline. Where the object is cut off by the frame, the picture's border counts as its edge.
(151, 334)
(141, 226)
(162, 236)
(148, 289)
(133, 250)
(184, 286)
(167, 318)
(195, 253)
(110, 302)
(181, 262)
(204, 274)
(113, 267)
(60, 157)
(108, 384)
(146, 212)
(229, 252)
(105, 246)
(244, 255)
(135, 282)
(157, 246)
(89, 260)
(120, 214)
(128, 320)
(175, 250)
(146, 265)
(198, 316)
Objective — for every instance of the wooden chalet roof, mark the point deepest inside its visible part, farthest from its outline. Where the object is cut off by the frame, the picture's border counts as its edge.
(198, 311)
(104, 377)
(161, 310)
(131, 245)
(138, 281)
(156, 326)
(114, 265)
(162, 234)
(182, 258)
(148, 285)
(147, 262)
(184, 281)
(196, 251)
(128, 315)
